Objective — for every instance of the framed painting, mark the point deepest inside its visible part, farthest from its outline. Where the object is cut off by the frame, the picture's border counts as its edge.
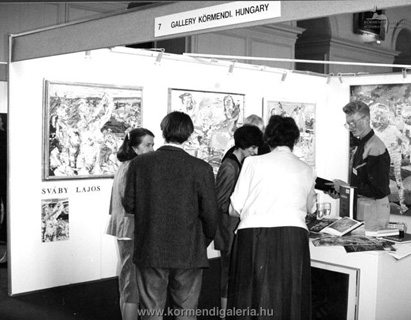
(83, 127)
(55, 220)
(390, 112)
(304, 115)
(215, 115)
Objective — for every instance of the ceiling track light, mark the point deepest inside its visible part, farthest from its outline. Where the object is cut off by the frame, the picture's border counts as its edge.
(329, 77)
(339, 75)
(231, 67)
(404, 73)
(87, 54)
(159, 57)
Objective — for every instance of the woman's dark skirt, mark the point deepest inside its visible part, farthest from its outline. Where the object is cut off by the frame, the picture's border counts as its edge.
(270, 274)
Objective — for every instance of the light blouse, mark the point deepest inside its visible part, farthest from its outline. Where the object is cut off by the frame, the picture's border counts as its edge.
(274, 190)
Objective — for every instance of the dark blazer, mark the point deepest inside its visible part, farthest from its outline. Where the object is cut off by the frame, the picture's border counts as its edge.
(172, 197)
(225, 183)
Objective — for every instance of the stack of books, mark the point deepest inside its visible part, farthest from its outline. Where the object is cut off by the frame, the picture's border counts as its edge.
(397, 239)
(382, 232)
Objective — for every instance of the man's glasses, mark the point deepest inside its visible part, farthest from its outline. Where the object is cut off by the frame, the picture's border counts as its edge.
(350, 124)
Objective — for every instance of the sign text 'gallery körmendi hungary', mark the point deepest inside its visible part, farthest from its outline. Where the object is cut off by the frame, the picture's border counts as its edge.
(216, 16)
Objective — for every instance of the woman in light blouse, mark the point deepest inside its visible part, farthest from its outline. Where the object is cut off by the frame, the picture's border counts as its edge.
(270, 270)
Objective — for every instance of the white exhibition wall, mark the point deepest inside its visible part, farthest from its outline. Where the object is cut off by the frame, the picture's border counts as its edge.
(89, 254)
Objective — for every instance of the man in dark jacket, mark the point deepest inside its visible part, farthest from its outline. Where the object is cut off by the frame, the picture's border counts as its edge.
(370, 168)
(172, 197)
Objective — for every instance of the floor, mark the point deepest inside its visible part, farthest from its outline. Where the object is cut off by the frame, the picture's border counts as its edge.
(91, 301)
(98, 300)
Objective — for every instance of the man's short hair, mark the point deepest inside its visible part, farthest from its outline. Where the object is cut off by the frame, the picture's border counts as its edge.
(177, 127)
(247, 136)
(356, 107)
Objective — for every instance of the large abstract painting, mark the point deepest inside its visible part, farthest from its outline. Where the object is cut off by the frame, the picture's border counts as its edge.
(215, 115)
(304, 116)
(390, 110)
(84, 125)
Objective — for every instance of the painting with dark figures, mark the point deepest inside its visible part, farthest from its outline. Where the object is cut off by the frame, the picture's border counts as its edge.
(84, 126)
(215, 115)
(304, 115)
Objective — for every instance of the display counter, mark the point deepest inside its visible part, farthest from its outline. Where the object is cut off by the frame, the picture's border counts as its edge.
(379, 285)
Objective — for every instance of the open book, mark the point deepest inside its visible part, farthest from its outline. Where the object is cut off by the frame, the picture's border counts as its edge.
(342, 226)
(318, 225)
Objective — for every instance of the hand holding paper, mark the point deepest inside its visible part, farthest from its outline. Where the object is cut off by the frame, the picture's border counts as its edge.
(336, 186)
(338, 183)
